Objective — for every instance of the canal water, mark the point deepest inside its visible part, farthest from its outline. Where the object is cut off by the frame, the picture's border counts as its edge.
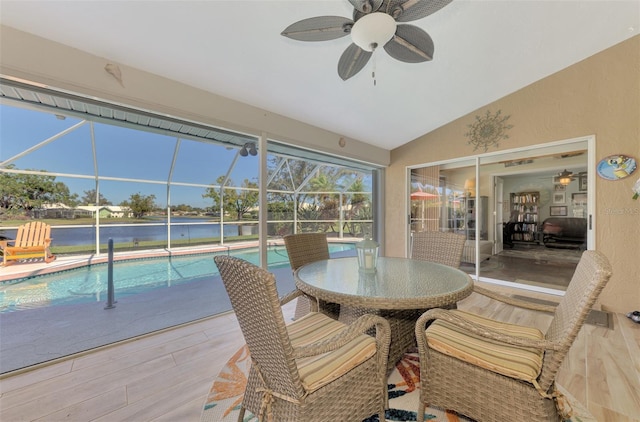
(181, 229)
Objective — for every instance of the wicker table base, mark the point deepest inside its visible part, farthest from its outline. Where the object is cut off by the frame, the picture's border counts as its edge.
(402, 324)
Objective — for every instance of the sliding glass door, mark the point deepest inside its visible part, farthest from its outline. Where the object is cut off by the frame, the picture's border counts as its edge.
(507, 205)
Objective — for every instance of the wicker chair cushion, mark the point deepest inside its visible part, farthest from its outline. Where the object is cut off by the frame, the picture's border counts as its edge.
(317, 371)
(512, 361)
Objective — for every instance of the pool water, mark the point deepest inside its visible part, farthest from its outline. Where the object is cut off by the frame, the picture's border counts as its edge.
(89, 283)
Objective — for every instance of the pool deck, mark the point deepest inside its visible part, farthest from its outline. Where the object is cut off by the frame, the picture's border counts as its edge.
(37, 337)
(20, 270)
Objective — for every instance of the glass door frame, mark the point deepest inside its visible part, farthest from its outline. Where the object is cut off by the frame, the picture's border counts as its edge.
(587, 143)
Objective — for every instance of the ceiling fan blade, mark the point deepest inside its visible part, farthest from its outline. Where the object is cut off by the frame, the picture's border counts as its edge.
(320, 28)
(366, 6)
(352, 61)
(411, 10)
(410, 44)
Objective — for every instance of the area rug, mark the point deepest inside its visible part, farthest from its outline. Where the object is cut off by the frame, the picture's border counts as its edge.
(225, 396)
(545, 254)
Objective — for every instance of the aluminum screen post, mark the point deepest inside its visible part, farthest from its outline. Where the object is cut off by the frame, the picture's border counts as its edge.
(110, 291)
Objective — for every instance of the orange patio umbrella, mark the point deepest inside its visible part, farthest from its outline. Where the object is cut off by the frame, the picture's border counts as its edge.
(422, 196)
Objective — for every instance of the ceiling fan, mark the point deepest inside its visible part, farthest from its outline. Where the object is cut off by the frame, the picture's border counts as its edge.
(374, 24)
(565, 177)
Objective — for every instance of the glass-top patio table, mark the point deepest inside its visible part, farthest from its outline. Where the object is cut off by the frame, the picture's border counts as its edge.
(400, 290)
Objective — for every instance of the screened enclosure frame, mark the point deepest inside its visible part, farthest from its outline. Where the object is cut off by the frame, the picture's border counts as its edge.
(94, 112)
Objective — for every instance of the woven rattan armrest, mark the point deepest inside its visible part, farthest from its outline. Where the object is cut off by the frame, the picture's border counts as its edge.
(353, 330)
(290, 296)
(296, 294)
(513, 301)
(480, 330)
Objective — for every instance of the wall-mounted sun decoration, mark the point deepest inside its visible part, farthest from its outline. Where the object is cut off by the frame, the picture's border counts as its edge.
(488, 130)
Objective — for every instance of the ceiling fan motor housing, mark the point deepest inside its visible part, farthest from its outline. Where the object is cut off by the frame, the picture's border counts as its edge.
(373, 30)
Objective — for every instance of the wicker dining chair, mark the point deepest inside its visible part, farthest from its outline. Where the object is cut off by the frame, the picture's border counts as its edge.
(314, 369)
(494, 371)
(435, 246)
(304, 248)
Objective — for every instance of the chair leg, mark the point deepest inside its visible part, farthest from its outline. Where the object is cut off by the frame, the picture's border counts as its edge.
(241, 414)
(303, 307)
(48, 257)
(420, 415)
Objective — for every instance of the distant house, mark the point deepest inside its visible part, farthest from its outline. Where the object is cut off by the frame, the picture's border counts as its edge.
(106, 211)
(59, 210)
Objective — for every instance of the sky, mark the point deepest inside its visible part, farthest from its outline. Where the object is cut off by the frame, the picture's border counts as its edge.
(121, 152)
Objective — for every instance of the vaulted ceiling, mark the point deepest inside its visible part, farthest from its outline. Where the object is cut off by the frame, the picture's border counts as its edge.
(484, 50)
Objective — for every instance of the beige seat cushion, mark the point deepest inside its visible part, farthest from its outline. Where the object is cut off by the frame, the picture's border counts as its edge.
(317, 371)
(512, 361)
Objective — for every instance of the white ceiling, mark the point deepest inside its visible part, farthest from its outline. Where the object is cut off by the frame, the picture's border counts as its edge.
(484, 50)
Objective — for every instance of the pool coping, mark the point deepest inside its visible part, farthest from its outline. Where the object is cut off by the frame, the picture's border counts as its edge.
(27, 270)
(19, 270)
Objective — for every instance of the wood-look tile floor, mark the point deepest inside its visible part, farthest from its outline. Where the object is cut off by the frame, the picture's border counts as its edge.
(166, 376)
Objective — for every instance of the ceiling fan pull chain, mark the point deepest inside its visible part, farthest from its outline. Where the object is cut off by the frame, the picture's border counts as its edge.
(373, 67)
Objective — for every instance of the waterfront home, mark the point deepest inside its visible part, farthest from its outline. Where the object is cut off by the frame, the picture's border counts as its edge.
(510, 82)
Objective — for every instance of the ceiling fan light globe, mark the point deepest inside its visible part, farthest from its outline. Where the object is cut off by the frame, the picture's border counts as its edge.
(565, 177)
(372, 30)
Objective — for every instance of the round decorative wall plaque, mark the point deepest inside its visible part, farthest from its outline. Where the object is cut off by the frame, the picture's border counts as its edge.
(616, 167)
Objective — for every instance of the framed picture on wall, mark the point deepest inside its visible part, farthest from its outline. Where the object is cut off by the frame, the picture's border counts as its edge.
(558, 211)
(582, 182)
(578, 199)
(559, 197)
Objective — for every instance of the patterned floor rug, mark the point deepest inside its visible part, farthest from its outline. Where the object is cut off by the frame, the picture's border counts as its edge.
(545, 254)
(225, 396)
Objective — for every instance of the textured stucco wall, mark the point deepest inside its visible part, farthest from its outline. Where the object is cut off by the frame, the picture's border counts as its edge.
(598, 96)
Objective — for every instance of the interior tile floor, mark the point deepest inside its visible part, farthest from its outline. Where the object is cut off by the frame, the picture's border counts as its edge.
(166, 376)
(33, 336)
(534, 265)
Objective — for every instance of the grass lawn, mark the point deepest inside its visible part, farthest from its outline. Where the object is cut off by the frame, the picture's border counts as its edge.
(89, 248)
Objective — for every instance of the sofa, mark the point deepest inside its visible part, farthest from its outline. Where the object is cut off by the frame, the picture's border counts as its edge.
(564, 232)
(469, 251)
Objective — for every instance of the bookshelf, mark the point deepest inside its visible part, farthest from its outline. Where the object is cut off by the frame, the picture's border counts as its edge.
(524, 216)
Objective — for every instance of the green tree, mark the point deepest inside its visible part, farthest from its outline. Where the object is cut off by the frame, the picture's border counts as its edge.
(315, 199)
(22, 192)
(184, 208)
(214, 193)
(325, 204)
(323, 184)
(277, 212)
(357, 199)
(89, 198)
(289, 179)
(64, 196)
(234, 201)
(140, 204)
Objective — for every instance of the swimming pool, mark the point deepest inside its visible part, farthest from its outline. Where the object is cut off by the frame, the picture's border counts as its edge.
(89, 283)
